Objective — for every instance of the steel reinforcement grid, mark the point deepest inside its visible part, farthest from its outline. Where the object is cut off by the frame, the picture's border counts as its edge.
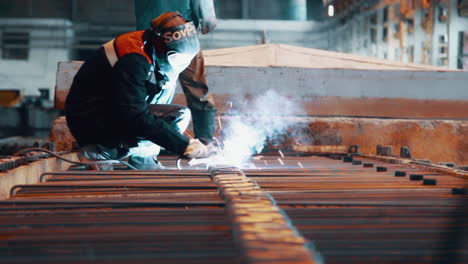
(292, 209)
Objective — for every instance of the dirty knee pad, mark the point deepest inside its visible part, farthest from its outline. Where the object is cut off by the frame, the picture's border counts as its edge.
(95, 152)
(145, 163)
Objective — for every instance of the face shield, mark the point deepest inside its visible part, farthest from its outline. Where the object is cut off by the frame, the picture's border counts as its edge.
(181, 45)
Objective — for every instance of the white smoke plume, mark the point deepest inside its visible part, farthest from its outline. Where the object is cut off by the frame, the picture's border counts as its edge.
(252, 122)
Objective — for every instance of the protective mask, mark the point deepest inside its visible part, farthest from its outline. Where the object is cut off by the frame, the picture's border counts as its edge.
(174, 63)
(181, 45)
(179, 61)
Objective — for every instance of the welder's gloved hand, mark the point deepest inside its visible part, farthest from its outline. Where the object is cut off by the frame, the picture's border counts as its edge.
(196, 149)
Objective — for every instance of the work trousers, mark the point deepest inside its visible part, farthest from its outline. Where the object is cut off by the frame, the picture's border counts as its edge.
(177, 116)
(195, 86)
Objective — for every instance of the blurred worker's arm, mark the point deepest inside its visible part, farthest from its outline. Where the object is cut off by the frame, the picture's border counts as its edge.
(204, 14)
(129, 96)
(145, 11)
(201, 103)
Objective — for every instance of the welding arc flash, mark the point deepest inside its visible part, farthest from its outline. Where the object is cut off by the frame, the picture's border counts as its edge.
(219, 123)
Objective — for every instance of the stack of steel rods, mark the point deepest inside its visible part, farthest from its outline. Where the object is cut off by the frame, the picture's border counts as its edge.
(384, 213)
(358, 211)
(116, 217)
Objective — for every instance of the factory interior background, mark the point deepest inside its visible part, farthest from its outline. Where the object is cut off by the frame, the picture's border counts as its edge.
(341, 136)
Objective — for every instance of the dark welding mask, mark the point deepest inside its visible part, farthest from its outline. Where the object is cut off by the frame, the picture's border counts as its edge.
(177, 45)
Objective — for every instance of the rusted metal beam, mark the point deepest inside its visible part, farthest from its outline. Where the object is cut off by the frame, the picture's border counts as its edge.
(263, 233)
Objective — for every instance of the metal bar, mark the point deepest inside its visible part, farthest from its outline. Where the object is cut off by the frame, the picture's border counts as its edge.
(263, 233)
(352, 212)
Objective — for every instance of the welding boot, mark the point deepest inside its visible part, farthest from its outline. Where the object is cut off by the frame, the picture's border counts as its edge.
(145, 163)
(98, 153)
(204, 124)
(144, 156)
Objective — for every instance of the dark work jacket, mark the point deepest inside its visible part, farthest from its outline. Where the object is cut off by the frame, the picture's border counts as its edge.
(107, 105)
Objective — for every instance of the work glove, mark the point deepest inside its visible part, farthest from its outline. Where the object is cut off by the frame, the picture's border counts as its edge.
(196, 149)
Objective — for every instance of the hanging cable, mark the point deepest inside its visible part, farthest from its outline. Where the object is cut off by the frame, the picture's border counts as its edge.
(119, 161)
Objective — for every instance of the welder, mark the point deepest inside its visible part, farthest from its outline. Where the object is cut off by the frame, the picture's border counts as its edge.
(193, 79)
(119, 101)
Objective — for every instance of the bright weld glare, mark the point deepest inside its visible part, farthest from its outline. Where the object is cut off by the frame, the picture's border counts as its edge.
(251, 165)
(281, 161)
(219, 123)
(281, 153)
(247, 129)
(217, 142)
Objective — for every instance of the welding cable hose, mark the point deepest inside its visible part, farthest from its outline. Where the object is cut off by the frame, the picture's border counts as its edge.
(119, 161)
(179, 161)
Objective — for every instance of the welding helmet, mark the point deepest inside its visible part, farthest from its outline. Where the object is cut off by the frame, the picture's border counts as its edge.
(176, 42)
